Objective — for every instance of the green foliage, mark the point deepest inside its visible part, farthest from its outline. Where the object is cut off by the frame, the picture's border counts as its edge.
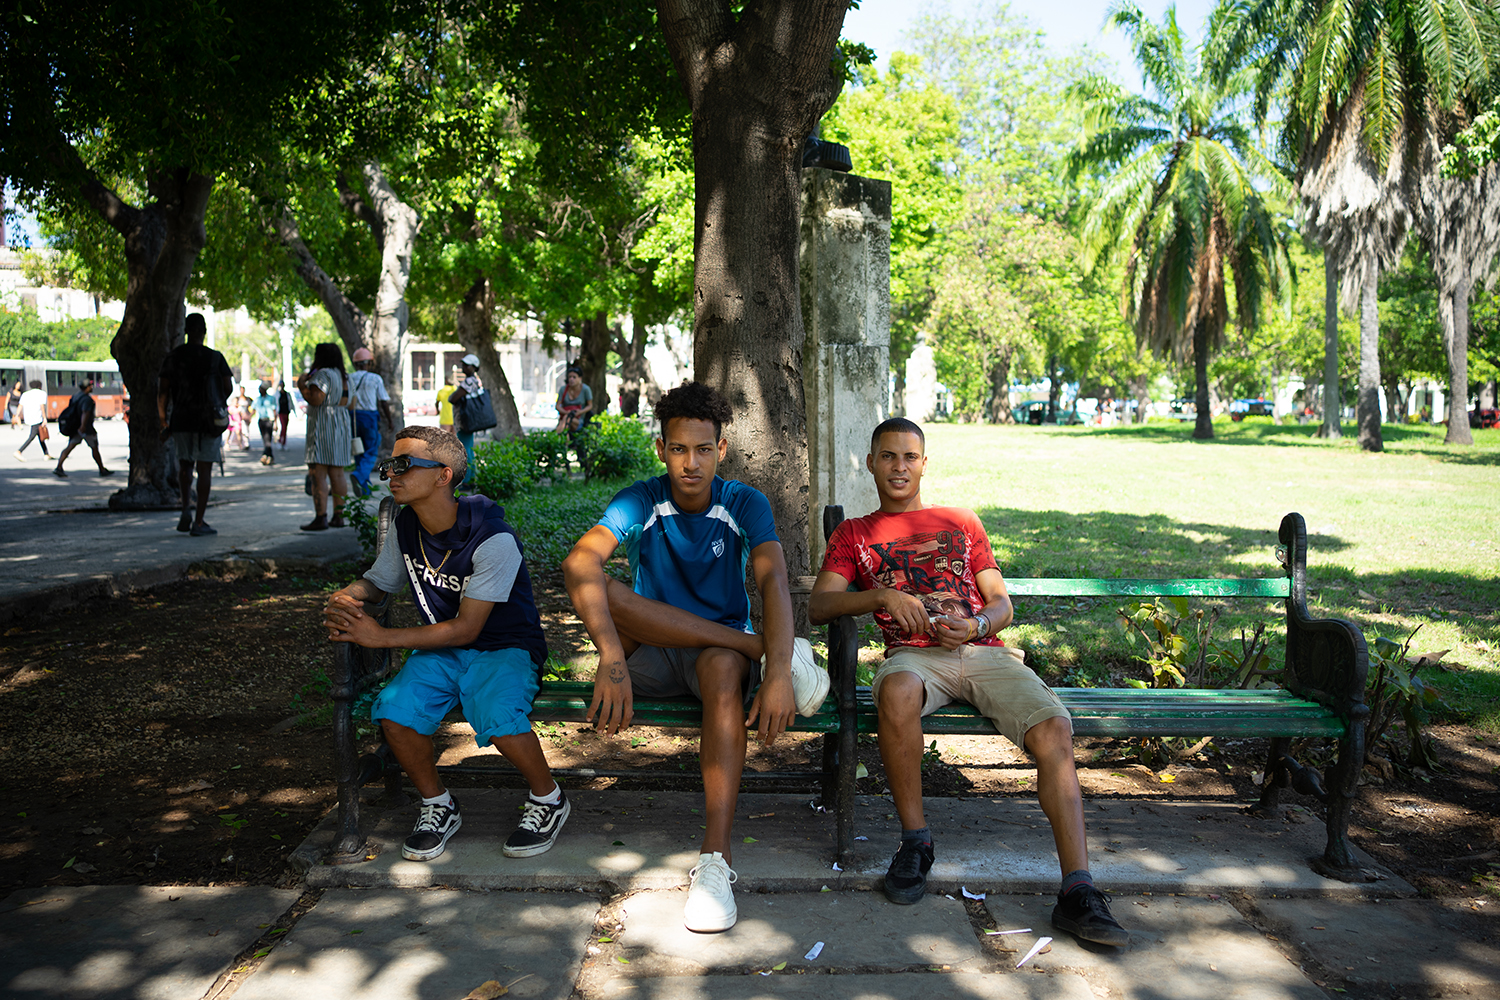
(550, 519)
(23, 334)
(1394, 690)
(363, 513)
(617, 447)
(1193, 660)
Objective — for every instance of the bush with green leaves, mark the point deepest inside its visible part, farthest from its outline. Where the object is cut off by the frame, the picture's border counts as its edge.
(503, 468)
(617, 447)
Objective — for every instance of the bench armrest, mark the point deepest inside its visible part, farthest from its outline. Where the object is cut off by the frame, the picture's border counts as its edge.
(1326, 658)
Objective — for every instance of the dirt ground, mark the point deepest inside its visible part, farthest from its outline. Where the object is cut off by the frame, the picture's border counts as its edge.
(174, 737)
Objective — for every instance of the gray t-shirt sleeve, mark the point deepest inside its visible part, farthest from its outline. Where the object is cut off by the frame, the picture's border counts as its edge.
(389, 572)
(496, 563)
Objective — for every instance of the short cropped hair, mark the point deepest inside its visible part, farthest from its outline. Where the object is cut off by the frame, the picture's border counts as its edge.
(445, 448)
(694, 401)
(195, 326)
(35, 383)
(896, 425)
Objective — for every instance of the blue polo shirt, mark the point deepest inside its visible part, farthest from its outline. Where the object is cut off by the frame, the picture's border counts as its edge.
(695, 562)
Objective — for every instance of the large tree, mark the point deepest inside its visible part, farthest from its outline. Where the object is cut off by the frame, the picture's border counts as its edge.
(1184, 193)
(758, 77)
(130, 113)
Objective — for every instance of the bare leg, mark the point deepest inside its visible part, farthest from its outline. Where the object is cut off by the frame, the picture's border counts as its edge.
(656, 624)
(320, 488)
(185, 483)
(721, 678)
(205, 471)
(414, 752)
(525, 751)
(98, 458)
(340, 486)
(68, 451)
(1051, 743)
(900, 732)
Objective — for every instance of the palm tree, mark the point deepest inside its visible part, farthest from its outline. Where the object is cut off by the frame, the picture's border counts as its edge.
(1371, 89)
(1184, 194)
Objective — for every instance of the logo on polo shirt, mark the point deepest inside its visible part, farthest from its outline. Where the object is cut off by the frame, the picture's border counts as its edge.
(718, 547)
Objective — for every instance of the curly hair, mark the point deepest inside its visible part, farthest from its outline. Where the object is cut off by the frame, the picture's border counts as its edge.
(443, 447)
(694, 401)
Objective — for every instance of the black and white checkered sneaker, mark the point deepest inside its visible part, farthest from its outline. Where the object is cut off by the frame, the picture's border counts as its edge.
(540, 825)
(435, 824)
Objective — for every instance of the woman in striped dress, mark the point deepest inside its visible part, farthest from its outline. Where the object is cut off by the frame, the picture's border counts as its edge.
(329, 433)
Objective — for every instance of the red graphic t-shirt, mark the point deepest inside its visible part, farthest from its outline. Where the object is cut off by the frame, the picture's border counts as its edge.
(932, 553)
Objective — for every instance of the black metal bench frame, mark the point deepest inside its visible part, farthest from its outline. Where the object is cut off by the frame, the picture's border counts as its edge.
(1324, 678)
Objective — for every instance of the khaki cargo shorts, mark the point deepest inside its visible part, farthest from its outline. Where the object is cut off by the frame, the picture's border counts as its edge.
(994, 679)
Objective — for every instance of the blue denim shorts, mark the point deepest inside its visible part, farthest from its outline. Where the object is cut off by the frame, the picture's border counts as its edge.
(495, 687)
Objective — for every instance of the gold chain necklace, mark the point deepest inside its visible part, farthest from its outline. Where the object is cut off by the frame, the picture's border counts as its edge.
(423, 549)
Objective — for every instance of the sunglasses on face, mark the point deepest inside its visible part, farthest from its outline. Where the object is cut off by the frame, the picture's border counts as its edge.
(399, 464)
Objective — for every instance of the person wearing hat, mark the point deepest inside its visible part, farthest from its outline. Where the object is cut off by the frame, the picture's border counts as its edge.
(368, 392)
(469, 385)
(83, 401)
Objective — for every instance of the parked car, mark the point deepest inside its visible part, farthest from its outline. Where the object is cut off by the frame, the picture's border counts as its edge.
(1034, 412)
(1239, 409)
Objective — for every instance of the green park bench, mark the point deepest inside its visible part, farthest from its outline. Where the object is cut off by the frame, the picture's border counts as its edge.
(1326, 665)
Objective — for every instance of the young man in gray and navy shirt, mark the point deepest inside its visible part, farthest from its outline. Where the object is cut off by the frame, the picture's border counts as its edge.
(482, 646)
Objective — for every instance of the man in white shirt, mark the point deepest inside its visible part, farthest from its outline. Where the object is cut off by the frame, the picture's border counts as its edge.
(34, 415)
(367, 391)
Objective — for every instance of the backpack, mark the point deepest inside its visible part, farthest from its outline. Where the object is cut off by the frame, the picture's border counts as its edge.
(71, 418)
(198, 396)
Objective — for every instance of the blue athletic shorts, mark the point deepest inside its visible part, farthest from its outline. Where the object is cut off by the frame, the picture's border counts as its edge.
(495, 687)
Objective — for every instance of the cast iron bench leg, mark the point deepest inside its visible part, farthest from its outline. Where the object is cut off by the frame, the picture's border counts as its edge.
(1343, 784)
(348, 843)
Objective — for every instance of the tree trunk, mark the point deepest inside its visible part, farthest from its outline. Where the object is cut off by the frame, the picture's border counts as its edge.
(1203, 426)
(1367, 403)
(757, 87)
(397, 234)
(1051, 388)
(1333, 403)
(998, 405)
(1142, 399)
(162, 243)
(1453, 310)
(635, 370)
(476, 332)
(593, 358)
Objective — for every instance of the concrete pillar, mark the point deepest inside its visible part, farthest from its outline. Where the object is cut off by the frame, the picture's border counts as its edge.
(846, 310)
(921, 383)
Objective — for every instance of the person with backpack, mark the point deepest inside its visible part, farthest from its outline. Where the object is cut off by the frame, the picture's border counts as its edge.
(195, 379)
(77, 422)
(265, 417)
(329, 434)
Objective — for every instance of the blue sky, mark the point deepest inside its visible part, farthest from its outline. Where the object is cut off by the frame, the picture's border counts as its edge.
(1066, 23)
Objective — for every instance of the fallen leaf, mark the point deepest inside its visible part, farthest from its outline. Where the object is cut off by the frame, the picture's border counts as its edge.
(606, 939)
(778, 968)
(860, 771)
(622, 960)
(1167, 778)
(1367, 595)
(487, 990)
(751, 840)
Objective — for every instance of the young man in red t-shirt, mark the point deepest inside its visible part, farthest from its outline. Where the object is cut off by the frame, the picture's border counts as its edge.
(929, 577)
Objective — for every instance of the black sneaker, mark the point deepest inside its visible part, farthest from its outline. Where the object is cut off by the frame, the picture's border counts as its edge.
(906, 879)
(185, 522)
(539, 828)
(1084, 913)
(435, 824)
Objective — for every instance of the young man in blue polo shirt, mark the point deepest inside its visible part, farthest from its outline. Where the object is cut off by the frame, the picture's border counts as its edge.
(481, 647)
(683, 627)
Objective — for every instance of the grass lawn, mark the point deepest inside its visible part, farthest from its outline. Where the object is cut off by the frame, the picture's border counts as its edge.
(1399, 539)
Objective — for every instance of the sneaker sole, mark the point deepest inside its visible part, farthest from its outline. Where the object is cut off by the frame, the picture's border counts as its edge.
(906, 897)
(442, 846)
(534, 849)
(1103, 936)
(713, 927)
(808, 702)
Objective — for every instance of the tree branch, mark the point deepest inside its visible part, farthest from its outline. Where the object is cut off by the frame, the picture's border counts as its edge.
(351, 200)
(348, 318)
(120, 215)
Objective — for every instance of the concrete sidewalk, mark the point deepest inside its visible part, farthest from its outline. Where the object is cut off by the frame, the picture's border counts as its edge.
(60, 544)
(1220, 906)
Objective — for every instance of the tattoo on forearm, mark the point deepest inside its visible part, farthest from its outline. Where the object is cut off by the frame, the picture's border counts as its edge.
(617, 674)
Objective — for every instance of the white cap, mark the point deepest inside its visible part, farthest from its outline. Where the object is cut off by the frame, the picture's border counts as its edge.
(470, 359)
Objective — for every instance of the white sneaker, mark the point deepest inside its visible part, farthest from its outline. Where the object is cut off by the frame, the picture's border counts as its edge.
(710, 902)
(809, 681)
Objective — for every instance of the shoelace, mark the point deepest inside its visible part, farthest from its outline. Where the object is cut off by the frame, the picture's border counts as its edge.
(536, 814)
(908, 860)
(713, 877)
(428, 821)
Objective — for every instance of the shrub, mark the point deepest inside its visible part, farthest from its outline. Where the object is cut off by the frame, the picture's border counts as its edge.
(502, 468)
(617, 447)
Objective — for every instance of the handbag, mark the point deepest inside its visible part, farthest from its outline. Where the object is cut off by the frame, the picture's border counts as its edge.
(474, 413)
(356, 443)
(43, 434)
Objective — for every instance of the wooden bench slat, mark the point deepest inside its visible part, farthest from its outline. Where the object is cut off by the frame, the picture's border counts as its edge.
(1278, 586)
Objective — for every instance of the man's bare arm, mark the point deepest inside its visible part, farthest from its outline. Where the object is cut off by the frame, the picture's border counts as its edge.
(775, 704)
(588, 589)
(832, 598)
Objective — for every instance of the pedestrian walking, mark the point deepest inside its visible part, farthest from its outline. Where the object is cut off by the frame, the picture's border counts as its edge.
(77, 421)
(265, 418)
(283, 409)
(33, 403)
(445, 400)
(370, 400)
(13, 404)
(328, 434)
(195, 380)
(468, 386)
(237, 438)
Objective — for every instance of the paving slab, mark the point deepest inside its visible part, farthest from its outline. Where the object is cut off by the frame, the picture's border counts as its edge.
(1418, 945)
(434, 945)
(1180, 947)
(958, 986)
(619, 840)
(858, 929)
(124, 941)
